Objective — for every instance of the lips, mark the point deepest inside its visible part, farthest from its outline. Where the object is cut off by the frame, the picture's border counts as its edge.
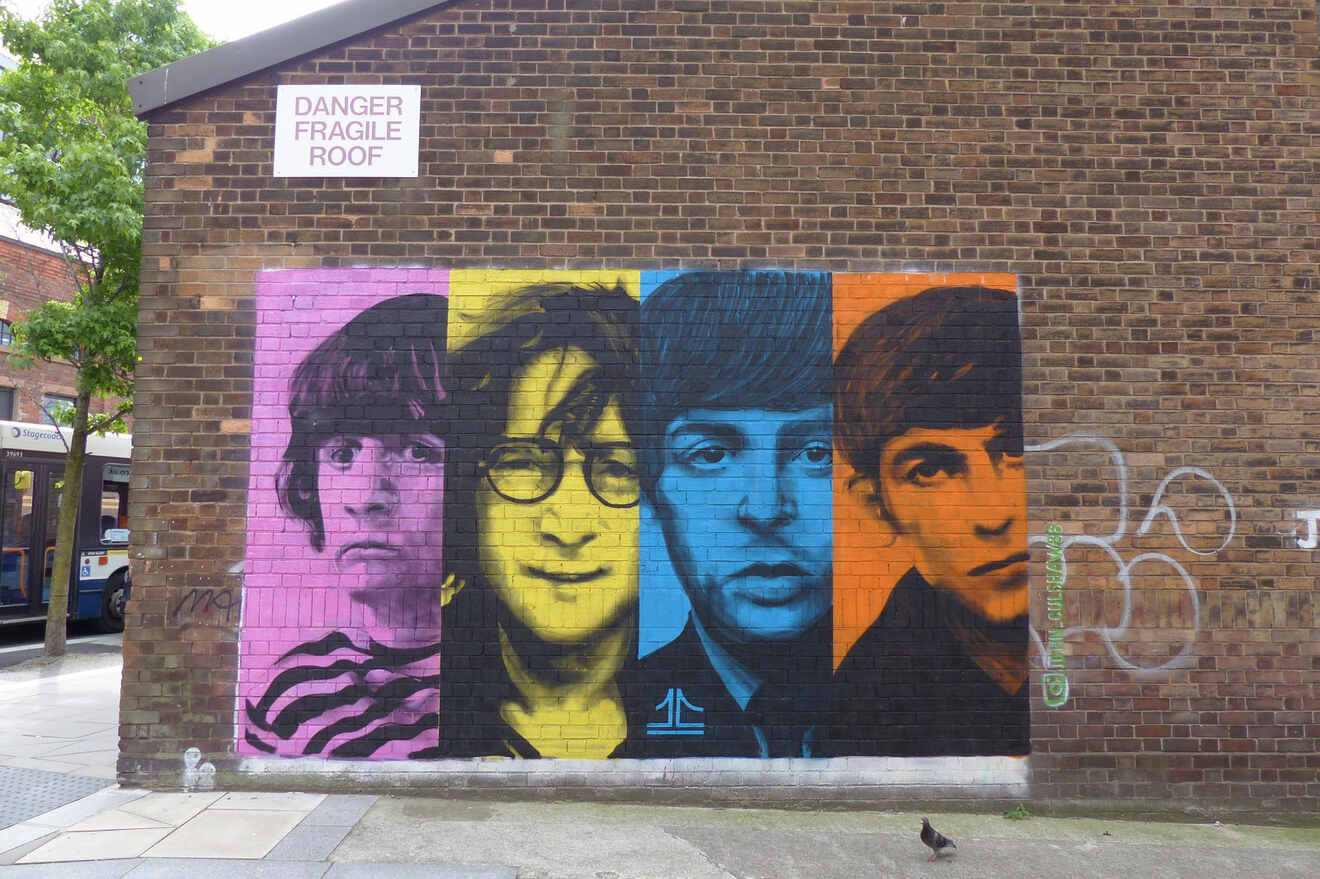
(991, 567)
(366, 551)
(565, 575)
(773, 585)
(772, 571)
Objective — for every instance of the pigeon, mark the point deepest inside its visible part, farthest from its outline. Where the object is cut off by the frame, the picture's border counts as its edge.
(934, 840)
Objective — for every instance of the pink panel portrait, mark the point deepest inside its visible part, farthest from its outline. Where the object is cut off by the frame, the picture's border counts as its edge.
(344, 578)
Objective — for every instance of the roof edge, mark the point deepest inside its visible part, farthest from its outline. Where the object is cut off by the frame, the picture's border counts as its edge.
(215, 67)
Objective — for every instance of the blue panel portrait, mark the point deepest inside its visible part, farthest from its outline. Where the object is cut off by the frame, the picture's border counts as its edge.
(736, 564)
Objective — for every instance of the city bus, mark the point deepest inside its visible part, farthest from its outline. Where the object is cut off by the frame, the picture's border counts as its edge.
(31, 491)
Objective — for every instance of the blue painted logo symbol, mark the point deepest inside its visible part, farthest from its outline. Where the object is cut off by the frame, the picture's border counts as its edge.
(675, 705)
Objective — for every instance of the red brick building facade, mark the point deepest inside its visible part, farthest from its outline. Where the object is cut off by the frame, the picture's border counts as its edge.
(29, 275)
(1147, 173)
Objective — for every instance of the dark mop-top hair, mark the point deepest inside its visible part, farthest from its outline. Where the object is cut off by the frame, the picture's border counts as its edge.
(732, 340)
(948, 357)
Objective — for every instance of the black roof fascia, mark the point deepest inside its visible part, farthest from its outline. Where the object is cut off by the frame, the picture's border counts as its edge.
(215, 67)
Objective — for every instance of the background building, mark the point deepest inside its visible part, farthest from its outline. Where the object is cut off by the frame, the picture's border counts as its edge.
(32, 271)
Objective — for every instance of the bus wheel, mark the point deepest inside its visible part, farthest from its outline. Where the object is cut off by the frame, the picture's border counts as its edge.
(112, 603)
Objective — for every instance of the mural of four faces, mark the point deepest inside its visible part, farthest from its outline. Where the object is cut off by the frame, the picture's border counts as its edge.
(634, 514)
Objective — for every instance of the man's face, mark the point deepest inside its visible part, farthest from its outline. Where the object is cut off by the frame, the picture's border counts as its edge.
(959, 497)
(564, 566)
(382, 505)
(745, 498)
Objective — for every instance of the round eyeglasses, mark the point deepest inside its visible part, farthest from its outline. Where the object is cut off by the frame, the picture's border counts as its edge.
(526, 471)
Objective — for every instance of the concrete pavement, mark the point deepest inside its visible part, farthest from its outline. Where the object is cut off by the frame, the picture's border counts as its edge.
(53, 722)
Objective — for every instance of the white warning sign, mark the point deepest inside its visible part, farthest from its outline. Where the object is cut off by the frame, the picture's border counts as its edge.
(347, 130)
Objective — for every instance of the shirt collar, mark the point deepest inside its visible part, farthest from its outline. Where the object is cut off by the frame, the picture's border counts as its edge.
(739, 680)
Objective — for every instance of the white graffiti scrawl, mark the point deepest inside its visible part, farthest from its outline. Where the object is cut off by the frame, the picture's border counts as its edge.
(1110, 635)
(1312, 539)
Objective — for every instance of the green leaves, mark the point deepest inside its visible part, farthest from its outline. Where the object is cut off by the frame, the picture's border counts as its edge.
(99, 340)
(72, 161)
(73, 154)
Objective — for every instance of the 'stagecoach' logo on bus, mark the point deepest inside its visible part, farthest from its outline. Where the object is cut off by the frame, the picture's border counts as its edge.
(28, 433)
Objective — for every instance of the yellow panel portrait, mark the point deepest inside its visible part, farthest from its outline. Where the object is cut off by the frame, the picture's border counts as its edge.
(546, 364)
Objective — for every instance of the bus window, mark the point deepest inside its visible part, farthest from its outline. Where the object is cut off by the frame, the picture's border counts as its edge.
(16, 522)
(114, 511)
(55, 496)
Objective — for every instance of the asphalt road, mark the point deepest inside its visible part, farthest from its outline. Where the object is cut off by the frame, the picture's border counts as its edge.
(23, 642)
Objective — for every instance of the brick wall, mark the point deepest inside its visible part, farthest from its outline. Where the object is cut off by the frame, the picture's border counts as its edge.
(1146, 171)
(29, 276)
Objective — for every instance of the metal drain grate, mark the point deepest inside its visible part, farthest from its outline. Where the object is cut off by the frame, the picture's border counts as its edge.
(27, 793)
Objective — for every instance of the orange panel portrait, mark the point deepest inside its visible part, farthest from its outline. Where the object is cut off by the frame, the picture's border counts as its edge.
(930, 556)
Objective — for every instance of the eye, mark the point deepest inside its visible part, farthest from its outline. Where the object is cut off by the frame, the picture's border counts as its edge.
(934, 468)
(817, 455)
(704, 456)
(341, 453)
(613, 460)
(515, 464)
(615, 469)
(421, 452)
(519, 459)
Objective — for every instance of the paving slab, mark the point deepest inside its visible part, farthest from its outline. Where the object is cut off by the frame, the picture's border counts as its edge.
(340, 810)
(11, 850)
(96, 845)
(93, 744)
(25, 744)
(227, 834)
(204, 868)
(274, 801)
(172, 808)
(308, 843)
(87, 870)
(118, 819)
(42, 764)
(105, 773)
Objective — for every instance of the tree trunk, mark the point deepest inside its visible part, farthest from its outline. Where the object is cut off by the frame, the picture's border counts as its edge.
(57, 612)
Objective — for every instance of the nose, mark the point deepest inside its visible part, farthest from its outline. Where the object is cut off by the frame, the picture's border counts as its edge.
(765, 503)
(999, 498)
(567, 519)
(377, 494)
